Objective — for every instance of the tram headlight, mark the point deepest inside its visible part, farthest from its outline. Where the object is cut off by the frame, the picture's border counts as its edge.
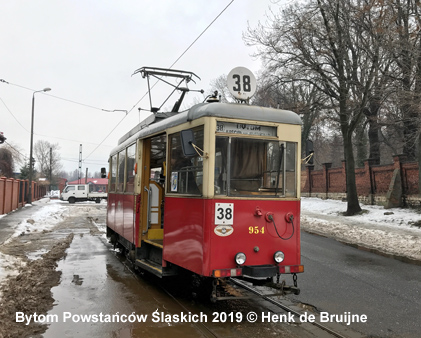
(278, 256)
(240, 258)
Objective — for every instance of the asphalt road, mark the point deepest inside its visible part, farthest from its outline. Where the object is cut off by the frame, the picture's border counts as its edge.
(339, 278)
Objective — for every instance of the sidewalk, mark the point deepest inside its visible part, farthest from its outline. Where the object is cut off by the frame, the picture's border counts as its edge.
(9, 221)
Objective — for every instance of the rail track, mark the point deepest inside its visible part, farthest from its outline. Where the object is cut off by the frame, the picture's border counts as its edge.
(288, 309)
(264, 299)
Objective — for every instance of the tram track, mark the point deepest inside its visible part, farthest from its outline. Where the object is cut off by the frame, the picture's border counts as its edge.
(289, 309)
(209, 332)
(204, 329)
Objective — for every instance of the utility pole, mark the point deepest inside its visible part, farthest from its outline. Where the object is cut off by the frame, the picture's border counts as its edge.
(80, 165)
(51, 166)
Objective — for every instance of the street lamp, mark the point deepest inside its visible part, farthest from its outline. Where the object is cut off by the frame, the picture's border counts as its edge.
(32, 139)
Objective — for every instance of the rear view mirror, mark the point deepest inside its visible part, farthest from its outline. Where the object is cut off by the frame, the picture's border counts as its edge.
(309, 151)
(187, 141)
(103, 173)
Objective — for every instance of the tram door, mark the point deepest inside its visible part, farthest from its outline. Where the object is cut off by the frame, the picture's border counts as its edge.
(153, 161)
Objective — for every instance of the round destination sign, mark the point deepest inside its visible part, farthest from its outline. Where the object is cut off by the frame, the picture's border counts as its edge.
(241, 83)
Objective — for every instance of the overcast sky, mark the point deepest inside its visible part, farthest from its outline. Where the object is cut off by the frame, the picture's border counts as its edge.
(86, 52)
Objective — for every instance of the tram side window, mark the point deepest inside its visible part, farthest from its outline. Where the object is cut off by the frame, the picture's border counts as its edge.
(113, 172)
(130, 174)
(186, 173)
(121, 170)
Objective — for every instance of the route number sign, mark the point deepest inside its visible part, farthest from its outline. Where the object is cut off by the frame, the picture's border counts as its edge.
(224, 213)
(241, 83)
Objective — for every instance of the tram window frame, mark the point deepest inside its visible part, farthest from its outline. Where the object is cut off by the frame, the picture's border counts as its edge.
(181, 167)
(113, 173)
(254, 173)
(130, 168)
(121, 170)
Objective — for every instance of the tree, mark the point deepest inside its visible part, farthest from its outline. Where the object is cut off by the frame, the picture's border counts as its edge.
(47, 158)
(328, 45)
(220, 84)
(302, 98)
(405, 51)
(24, 172)
(6, 162)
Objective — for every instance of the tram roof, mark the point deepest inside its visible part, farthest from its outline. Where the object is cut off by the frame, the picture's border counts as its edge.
(225, 110)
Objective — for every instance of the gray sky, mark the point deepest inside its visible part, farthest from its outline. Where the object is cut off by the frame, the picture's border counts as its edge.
(86, 52)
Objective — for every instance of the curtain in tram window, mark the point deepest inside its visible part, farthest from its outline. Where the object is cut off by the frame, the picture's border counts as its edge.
(247, 158)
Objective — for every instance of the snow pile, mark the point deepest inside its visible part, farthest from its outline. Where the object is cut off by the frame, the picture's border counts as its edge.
(42, 220)
(9, 266)
(392, 231)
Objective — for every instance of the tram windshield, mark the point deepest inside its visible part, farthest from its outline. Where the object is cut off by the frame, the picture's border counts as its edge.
(249, 167)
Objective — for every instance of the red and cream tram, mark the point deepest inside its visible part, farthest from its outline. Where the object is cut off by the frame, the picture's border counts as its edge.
(214, 190)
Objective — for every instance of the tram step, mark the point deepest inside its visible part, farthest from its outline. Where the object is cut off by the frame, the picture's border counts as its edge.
(149, 266)
(155, 268)
(155, 242)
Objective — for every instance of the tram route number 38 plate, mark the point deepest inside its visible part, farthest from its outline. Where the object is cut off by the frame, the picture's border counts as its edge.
(224, 213)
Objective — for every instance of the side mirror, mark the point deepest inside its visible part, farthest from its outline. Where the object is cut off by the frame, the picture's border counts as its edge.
(309, 151)
(187, 141)
(103, 173)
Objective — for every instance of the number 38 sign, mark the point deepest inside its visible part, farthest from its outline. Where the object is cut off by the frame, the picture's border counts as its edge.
(224, 213)
(241, 83)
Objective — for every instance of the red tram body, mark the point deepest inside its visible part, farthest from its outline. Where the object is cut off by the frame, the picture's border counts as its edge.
(230, 209)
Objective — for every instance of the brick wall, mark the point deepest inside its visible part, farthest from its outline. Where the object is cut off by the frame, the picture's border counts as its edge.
(373, 181)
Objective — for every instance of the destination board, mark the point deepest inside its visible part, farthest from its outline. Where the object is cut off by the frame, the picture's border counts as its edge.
(245, 129)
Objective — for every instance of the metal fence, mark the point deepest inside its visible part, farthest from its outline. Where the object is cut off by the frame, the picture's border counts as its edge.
(14, 193)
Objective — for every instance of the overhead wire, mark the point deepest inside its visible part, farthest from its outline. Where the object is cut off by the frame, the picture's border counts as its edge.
(48, 136)
(172, 65)
(13, 115)
(58, 97)
(24, 156)
(107, 110)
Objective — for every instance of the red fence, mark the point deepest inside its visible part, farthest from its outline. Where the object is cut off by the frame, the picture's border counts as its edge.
(374, 182)
(14, 193)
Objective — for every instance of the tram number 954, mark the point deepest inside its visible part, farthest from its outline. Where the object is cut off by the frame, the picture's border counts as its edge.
(224, 213)
(256, 230)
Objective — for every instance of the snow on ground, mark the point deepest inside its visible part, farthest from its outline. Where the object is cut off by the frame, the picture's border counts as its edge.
(9, 265)
(43, 219)
(391, 231)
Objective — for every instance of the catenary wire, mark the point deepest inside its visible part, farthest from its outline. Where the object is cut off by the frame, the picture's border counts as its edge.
(172, 65)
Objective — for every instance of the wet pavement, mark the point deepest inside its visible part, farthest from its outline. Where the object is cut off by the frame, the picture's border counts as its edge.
(99, 296)
(95, 283)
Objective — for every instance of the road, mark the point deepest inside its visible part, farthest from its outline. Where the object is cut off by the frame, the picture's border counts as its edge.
(94, 281)
(339, 278)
